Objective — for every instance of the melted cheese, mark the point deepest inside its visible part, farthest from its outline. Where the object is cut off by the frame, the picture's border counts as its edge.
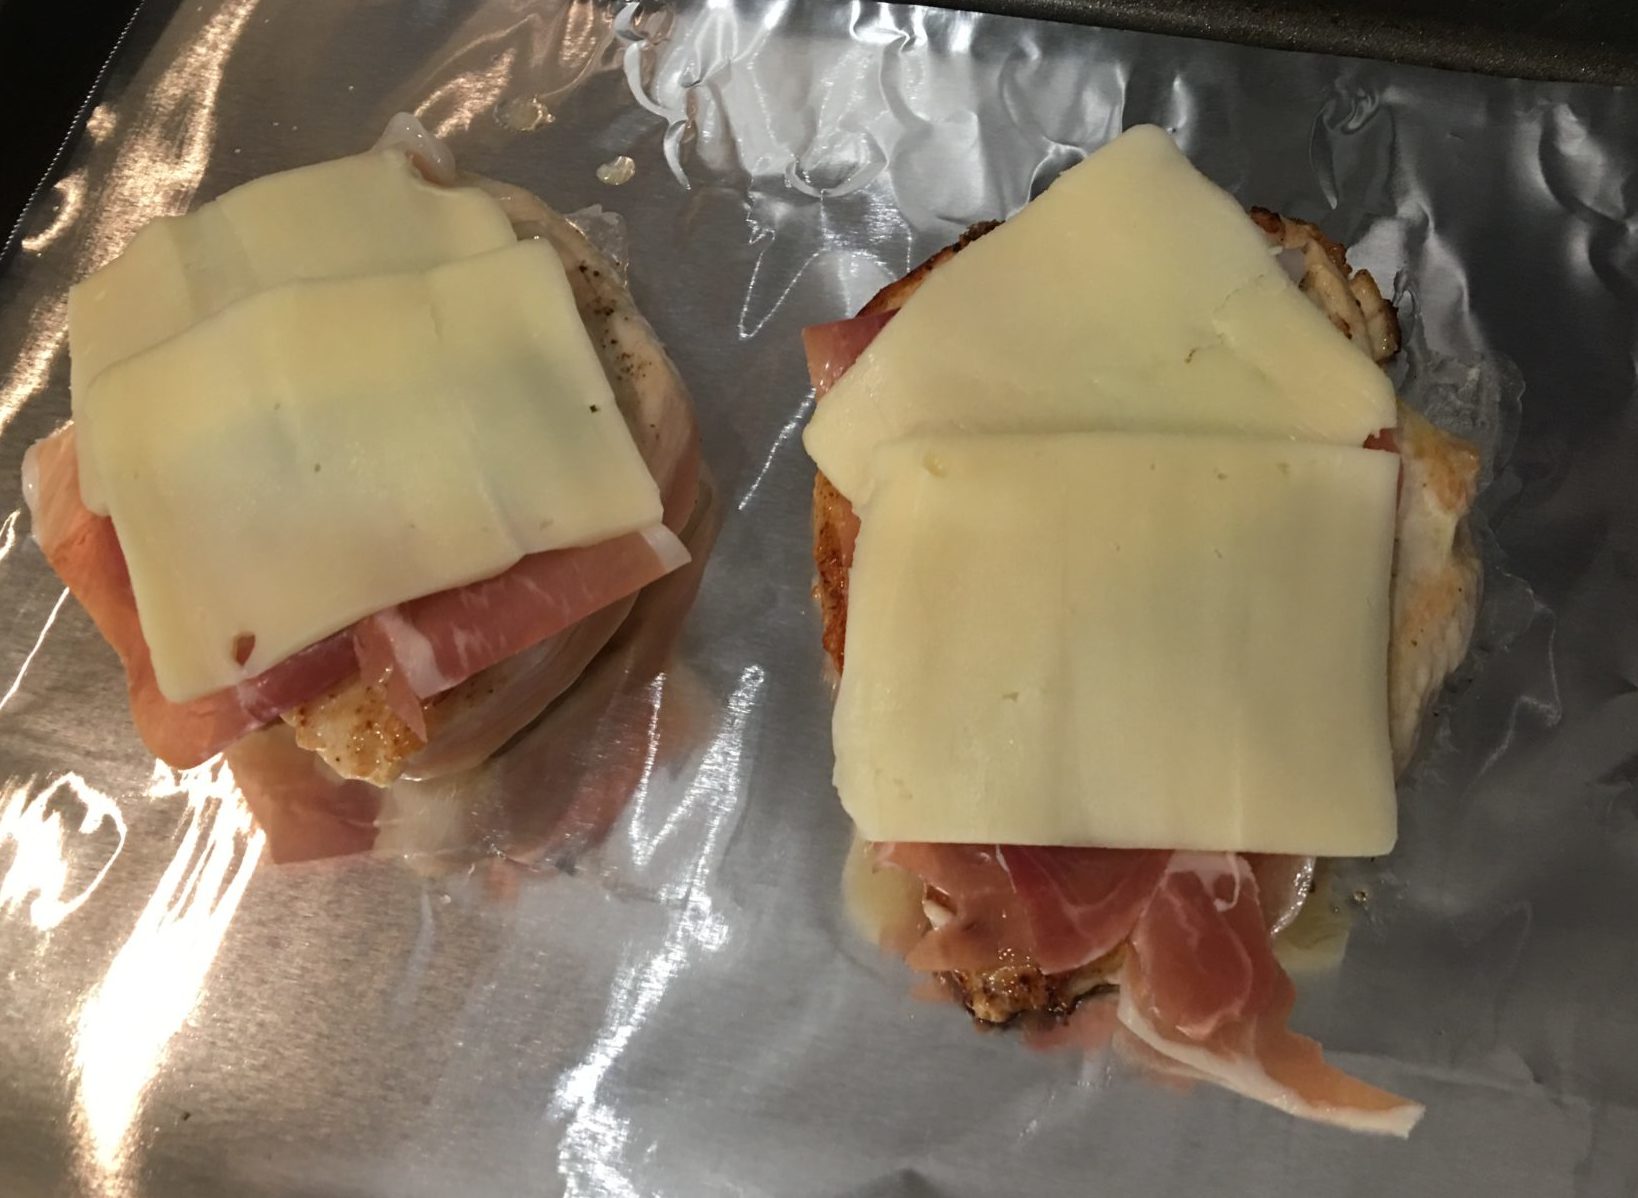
(1130, 641)
(325, 449)
(1133, 294)
(368, 214)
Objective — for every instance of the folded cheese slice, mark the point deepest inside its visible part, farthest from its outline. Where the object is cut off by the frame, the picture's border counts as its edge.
(325, 449)
(1133, 294)
(367, 214)
(1121, 640)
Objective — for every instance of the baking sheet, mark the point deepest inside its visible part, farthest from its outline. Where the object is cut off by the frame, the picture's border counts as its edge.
(681, 1008)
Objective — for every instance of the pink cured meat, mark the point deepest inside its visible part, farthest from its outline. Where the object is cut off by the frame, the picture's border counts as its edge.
(431, 644)
(1203, 944)
(84, 551)
(1202, 992)
(1060, 908)
(832, 348)
(1203, 988)
(305, 809)
(987, 925)
(1081, 903)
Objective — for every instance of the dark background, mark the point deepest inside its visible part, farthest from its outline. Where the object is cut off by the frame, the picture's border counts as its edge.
(52, 52)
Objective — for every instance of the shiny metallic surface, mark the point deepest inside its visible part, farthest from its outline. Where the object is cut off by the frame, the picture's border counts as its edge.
(616, 962)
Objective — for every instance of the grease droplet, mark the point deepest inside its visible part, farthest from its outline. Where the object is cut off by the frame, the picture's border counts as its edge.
(524, 114)
(617, 171)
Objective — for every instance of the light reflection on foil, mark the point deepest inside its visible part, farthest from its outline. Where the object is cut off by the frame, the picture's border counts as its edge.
(594, 1138)
(792, 426)
(70, 192)
(631, 27)
(467, 95)
(45, 630)
(36, 827)
(651, 751)
(156, 978)
(163, 158)
(155, 173)
(101, 123)
(8, 533)
(585, 31)
(564, 43)
(28, 372)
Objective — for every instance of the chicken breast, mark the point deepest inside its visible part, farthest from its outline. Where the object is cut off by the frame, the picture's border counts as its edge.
(1435, 586)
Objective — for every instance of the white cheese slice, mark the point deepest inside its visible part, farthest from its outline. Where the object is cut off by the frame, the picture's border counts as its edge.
(368, 214)
(325, 449)
(1133, 294)
(1123, 640)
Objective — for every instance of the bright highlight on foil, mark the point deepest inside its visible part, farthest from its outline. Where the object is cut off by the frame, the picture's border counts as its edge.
(594, 1138)
(28, 660)
(36, 827)
(155, 172)
(156, 979)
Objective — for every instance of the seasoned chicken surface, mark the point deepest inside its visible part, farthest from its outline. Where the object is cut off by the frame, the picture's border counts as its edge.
(355, 730)
(1349, 297)
(1437, 579)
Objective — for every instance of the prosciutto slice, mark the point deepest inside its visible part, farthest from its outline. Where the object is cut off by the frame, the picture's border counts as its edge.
(429, 645)
(1202, 988)
(1080, 903)
(977, 919)
(474, 720)
(1056, 908)
(832, 348)
(306, 810)
(84, 551)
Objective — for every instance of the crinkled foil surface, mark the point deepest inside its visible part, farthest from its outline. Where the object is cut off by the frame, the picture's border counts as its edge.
(501, 999)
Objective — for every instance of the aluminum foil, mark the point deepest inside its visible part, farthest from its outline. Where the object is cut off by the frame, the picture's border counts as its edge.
(637, 979)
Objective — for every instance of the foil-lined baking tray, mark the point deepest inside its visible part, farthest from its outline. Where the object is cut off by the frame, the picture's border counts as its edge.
(617, 963)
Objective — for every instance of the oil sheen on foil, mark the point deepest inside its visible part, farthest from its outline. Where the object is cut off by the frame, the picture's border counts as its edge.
(618, 964)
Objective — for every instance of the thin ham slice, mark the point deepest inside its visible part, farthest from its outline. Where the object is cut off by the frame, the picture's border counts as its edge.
(306, 810)
(1386, 439)
(84, 551)
(833, 347)
(429, 645)
(1057, 908)
(1202, 988)
(1198, 941)
(986, 926)
(474, 720)
(1080, 903)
